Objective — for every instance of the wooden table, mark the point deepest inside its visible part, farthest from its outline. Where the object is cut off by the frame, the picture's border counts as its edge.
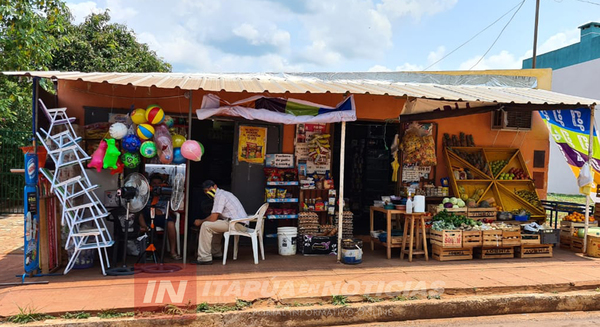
(388, 213)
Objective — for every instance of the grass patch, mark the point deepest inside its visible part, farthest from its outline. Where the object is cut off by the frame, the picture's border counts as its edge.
(370, 299)
(339, 300)
(400, 298)
(173, 310)
(298, 304)
(434, 297)
(574, 198)
(76, 315)
(27, 315)
(239, 305)
(109, 314)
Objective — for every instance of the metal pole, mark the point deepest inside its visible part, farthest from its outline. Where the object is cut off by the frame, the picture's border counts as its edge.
(34, 106)
(587, 196)
(341, 198)
(187, 183)
(535, 32)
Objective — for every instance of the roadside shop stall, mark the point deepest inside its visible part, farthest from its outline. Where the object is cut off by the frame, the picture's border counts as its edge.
(282, 139)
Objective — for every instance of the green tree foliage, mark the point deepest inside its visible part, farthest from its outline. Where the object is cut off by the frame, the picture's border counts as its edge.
(39, 35)
(97, 45)
(28, 36)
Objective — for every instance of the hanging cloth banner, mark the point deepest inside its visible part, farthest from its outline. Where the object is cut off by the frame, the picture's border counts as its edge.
(570, 129)
(278, 110)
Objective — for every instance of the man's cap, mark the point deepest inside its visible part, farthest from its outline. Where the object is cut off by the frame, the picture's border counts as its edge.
(208, 184)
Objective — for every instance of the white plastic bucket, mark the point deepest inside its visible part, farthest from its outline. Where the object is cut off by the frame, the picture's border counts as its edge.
(286, 237)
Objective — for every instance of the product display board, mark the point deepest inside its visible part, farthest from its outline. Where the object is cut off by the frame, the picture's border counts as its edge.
(252, 144)
(313, 153)
(498, 176)
(418, 150)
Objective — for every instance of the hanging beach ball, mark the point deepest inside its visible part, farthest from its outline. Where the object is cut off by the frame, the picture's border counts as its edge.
(131, 143)
(192, 150)
(130, 159)
(138, 116)
(154, 114)
(117, 131)
(145, 131)
(177, 156)
(148, 149)
(169, 121)
(177, 140)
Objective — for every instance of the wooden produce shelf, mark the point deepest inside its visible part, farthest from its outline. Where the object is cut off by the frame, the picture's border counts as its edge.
(477, 161)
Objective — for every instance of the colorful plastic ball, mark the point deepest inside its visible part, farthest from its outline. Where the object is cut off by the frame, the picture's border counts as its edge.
(177, 140)
(148, 149)
(145, 131)
(177, 156)
(138, 116)
(192, 150)
(130, 159)
(117, 131)
(169, 121)
(154, 114)
(131, 143)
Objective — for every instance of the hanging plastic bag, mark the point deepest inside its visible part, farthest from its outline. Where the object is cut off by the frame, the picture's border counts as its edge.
(585, 179)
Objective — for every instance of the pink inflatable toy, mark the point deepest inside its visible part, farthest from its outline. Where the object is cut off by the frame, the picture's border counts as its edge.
(98, 156)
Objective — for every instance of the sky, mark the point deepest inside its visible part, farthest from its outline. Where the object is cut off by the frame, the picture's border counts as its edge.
(219, 36)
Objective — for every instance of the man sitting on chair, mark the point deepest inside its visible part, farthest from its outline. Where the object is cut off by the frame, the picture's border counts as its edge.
(225, 208)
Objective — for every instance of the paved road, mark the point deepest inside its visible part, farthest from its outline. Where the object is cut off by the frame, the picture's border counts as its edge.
(570, 319)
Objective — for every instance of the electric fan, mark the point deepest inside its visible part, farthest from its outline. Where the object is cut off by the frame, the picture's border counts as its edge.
(135, 192)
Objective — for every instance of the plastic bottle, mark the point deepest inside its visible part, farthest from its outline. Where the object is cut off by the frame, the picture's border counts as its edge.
(409, 205)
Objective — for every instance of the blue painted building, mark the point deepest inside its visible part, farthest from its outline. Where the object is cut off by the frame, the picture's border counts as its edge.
(587, 49)
(575, 71)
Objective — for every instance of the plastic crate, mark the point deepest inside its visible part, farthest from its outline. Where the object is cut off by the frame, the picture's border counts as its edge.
(549, 236)
(84, 260)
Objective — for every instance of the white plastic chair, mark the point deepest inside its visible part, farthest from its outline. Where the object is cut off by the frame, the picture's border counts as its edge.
(256, 234)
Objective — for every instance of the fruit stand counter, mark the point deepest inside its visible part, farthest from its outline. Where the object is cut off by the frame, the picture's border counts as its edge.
(493, 174)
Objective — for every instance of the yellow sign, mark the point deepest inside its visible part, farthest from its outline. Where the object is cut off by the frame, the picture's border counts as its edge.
(252, 144)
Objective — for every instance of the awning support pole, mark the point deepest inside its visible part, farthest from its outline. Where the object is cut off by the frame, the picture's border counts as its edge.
(587, 196)
(341, 195)
(34, 106)
(187, 182)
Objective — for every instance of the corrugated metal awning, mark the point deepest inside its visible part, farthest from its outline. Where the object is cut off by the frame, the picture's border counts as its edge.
(288, 83)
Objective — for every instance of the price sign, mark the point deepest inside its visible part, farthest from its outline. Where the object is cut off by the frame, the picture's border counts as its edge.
(279, 160)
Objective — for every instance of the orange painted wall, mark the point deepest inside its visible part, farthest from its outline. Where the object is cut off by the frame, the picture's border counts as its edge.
(76, 94)
(484, 136)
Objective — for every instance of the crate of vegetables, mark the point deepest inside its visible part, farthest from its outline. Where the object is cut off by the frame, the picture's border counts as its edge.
(482, 213)
(446, 238)
(454, 205)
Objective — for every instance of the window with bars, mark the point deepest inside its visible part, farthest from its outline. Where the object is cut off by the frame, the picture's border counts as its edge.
(511, 120)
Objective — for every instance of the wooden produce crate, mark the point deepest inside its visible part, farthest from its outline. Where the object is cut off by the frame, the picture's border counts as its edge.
(471, 239)
(456, 211)
(569, 227)
(446, 238)
(526, 251)
(495, 252)
(530, 239)
(577, 244)
(511, 238)
(492, 238)
(451, 254)
(565, 242)
(482, 213)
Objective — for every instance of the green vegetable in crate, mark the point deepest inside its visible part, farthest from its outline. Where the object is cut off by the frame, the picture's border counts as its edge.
(472, 203)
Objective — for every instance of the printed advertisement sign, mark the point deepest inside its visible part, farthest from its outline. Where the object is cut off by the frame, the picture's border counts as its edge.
(252, 144)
